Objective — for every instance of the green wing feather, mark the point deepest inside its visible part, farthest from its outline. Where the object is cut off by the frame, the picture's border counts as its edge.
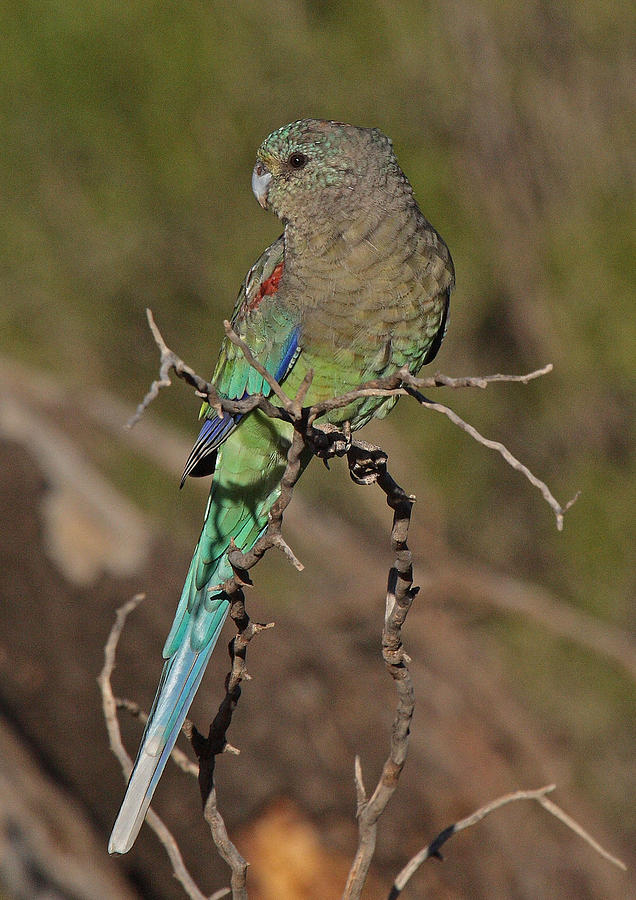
(267, 328)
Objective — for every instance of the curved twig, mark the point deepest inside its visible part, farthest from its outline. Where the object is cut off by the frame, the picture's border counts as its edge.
(432, 850)
(513, 462)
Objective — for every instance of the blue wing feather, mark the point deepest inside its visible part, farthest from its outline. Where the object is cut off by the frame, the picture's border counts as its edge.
(203, 455)
(290, 356)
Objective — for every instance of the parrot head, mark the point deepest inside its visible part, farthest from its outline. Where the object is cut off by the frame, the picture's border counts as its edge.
(308, 169)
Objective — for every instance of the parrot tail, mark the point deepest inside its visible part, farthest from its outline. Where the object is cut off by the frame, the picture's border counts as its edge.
(246, 483)
(181, 677)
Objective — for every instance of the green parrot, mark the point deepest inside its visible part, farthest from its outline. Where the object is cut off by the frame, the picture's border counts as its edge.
(357, 286)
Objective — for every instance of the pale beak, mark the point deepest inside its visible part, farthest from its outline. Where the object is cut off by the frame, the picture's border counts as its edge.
(261, 179)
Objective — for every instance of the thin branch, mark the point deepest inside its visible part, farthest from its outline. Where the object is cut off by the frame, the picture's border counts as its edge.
(238, 865)
(361, 793)
(109, 706)
(169, 360)
(272, 537)
(571, 823)
(207, 749)
(368, 464)
(394, 385)
(401, 383)
(482, 381)
(513, 462)
(432, 850)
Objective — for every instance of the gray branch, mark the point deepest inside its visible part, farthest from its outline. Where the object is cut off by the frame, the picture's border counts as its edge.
(401, 383)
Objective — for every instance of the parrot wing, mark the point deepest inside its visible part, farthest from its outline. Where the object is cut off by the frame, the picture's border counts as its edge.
(273, 339)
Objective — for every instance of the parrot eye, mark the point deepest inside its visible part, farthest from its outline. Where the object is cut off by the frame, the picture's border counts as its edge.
(297, 160)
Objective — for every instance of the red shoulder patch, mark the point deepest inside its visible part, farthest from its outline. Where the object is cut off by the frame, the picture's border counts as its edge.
(267, 287)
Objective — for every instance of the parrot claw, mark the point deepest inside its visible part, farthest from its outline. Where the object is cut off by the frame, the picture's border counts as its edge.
(331, 440)
(366, 462)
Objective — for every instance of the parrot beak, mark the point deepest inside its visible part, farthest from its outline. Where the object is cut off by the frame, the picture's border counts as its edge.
(261, 179)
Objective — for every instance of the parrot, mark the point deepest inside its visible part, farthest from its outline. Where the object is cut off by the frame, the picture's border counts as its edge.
(357, 286)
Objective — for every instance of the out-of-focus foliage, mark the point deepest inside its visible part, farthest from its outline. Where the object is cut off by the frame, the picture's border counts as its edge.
(128, 136)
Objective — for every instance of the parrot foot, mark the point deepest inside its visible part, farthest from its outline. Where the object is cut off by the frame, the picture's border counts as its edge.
(366, 462)
(326, 440)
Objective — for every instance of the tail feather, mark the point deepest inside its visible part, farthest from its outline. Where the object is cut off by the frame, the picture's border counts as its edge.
(246, 484)
(180, 680)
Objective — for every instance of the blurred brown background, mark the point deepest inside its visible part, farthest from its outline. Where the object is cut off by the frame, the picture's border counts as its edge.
(128, 137)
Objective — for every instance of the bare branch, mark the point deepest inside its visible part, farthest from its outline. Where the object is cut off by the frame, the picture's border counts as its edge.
(571, 823)
(394, 385)
(399, 384)
(361, 793)
(281, 543)
(238, 865)
(207, 749)
(169, 360)
(559, 511)
(368, 464)
(222, 892)
(108, 700)
(272, 537)
(432, 850)
(482, 381)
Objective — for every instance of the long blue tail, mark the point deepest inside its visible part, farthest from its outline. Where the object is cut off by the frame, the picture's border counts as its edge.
(181, 677)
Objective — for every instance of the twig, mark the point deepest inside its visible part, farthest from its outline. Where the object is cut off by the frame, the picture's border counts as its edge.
(238, 865)
(255, 364)
(398, 384)
(559, 511)
(367, 464)
(482, 381)
(169, 360)
(114, 736)
(207, 749)
(562, 816)
(272, 537)
(432, 850)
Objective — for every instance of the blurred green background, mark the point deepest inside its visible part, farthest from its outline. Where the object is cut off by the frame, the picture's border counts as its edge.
(128, 138)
